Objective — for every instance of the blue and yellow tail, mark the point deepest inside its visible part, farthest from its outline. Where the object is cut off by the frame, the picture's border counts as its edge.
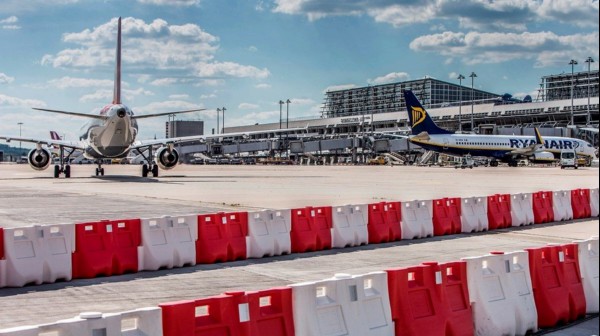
(419, 119)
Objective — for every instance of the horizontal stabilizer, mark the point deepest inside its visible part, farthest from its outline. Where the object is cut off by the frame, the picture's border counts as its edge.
(77, 114)
(143, 116)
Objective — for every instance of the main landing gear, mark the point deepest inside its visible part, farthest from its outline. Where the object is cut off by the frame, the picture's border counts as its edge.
(99, 169)
(151, 167)
(63, 167)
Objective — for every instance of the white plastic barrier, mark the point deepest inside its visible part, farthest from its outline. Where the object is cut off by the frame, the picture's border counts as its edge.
(269, 233)
(588, 266)
(343, 305)
(349, 226)
(417, 219)
(2, 273)
(501, 294)
(168, 242)
(474, 214)
(140, 322)
(561, 205)
(521, 209)
(38, 254)
(595, 202)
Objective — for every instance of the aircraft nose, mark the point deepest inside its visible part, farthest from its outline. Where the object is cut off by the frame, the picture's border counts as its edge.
(121, 113)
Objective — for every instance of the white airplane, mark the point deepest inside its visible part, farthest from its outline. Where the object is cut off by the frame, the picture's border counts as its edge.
(112, 135)
(505, 148)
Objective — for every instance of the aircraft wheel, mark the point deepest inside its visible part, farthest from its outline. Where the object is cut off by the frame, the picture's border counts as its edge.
(56, 171)
(155, 171)
(145, 170)
(97, 171)
(101, 171)
(67, 171)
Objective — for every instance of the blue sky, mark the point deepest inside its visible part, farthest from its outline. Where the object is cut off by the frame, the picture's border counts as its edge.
(246, 55)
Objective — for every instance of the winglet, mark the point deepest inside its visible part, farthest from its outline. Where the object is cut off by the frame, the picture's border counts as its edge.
(538, 137)
(117, 89)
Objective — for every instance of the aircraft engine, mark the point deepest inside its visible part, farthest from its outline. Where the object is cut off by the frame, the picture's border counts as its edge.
(542, 157)
(166, 159)
(39, 159)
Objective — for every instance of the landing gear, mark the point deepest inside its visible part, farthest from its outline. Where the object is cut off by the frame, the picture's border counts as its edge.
(63, 167)
(493, 163)
(99, 170)
(151, 167)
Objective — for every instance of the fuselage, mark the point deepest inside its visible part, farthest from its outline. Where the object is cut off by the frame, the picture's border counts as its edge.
(502, 147)
(111, 137)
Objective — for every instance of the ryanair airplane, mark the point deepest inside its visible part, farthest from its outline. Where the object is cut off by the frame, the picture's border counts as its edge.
(505, 148)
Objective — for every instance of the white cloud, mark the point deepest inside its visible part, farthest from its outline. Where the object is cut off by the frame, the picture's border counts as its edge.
(152, 46)
(8, 101)
(74, 82)
(106, 95)
(179, 96)
(210, 82)
(453, 75)
(302, 101)
(10, 23)
(262, 86)
(490, 15)
(546, 48)
(339, 87)
(6, 79)
(170, 2)
(254, 117)
(208, 96)
(390, 78)
(164, 81)
(252, 49)
(247, 106)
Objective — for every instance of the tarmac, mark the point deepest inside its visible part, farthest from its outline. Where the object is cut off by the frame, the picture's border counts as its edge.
(29, 197)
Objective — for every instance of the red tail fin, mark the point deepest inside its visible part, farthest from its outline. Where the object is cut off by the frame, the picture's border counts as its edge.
(54, 136)
(117, 89)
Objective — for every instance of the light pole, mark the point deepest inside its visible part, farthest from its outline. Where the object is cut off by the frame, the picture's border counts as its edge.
(572, 63)
(589, 62)
(218, 116)
(20, 149)
(472, 75)
(280, 112)
(287, 113)
(223, 109)
(460, 78)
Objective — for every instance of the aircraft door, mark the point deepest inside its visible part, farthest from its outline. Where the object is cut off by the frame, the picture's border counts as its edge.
(445, 143)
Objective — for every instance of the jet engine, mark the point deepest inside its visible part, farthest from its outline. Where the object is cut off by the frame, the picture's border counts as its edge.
(166, 159)
(542, 157)
(39, 159)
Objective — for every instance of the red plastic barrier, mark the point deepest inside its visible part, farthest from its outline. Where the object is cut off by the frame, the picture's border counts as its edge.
(259, 313)
(572, 273)
(106, 248)
(213, 316)
(271, 312)
(311, 229)
(221, 237)
(580, 202)
(557, 287)
(384, 222)
(499, 211)
(1, 243)
(446, 216)
(430, 299)
(542, 207)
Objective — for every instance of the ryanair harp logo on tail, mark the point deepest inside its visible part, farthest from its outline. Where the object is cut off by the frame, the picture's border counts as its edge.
(418, 115)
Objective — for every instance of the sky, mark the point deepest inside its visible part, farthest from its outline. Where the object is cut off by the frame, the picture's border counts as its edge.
(247, 55)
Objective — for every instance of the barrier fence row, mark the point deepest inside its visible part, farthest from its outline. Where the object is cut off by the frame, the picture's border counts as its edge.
(499, 293)
(47, 253)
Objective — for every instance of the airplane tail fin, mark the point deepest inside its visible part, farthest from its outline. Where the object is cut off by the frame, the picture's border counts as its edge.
(117, 89)
(55, 136)
(538, 137)
(420, 121)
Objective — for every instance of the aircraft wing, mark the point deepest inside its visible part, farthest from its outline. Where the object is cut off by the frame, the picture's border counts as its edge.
(179, 140)
(48, 142)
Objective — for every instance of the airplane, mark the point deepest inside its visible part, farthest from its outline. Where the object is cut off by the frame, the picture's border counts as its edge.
(504, 148)
(112, 135)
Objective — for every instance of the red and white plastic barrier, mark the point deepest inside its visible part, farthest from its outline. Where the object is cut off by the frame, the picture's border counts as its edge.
(417, 219)
(594, 202)
(168, 242)
(561, 205)
(521, 209)
(349, 225)
(38, 254)
(343, 305)
(500, 291)
(474, 214)
(384, 222)
(446, 216)
(542, 207)
(269, 233)
(144, 321)
(311, 229)
(221, 237)
(588, 266)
